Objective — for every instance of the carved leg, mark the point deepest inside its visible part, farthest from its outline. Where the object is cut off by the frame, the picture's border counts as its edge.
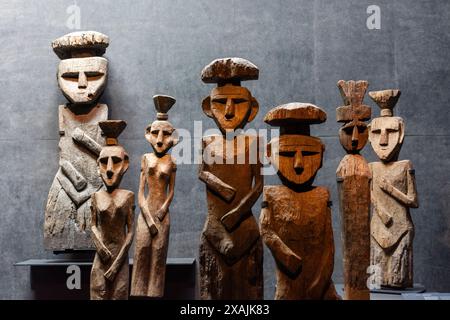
(248, 274)
(379, 260)
(330, 293)
(400, 266)
(142, 259)
(212, 272)
(160, 244)
(98, 287)
(120, 286)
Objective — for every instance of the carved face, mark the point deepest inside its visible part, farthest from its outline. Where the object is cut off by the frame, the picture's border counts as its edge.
(231, 107)
(353, 135)
(296, 158)
(161, 136)
(112, 164)
(386, 136)
(82, 80)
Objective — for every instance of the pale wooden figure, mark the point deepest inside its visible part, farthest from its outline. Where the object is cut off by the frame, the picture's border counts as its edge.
(393, 192)
(296, 216)
(82, 76)
(231, 252)
(353, 177)
(158, 171)
(112, 220)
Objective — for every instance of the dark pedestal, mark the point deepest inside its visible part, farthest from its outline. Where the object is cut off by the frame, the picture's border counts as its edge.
(49, 278)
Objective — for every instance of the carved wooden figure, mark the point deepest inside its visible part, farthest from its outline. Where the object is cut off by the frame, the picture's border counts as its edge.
(296, 216)
(353, 177)
(158, 171)
(393, 192)
(231, 252)
(112, 220)
(82, 75)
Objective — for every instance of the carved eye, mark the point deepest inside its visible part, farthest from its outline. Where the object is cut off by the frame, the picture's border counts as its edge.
(70, 75)
(239, 100)
(220, 100)
(166, 133)
(287, 153)
(155, 132)
(309, 153)
(104, 161)
(116, 159)
(390, 130)
(377, 131)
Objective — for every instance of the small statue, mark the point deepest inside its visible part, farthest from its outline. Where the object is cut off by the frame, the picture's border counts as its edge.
(112, 220)
(296, 216)
(231, 251)
(158, 172)
(82, 76)
(353, 177)
(393, 191)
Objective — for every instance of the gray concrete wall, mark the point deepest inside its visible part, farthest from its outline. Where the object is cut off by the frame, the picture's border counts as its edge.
(302, 47)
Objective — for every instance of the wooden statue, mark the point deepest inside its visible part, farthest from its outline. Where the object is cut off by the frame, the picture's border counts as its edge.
(393, 192)
(296, 216)
(112, 220)
(231, 252)
(82, 75)
(353, 177)
(158, 171)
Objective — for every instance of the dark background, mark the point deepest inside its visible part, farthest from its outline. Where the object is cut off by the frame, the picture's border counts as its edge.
(302, 48)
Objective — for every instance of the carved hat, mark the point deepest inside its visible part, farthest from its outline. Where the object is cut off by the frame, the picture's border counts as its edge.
(229, 70)
(163, 104)
(386, 100)
(352, 93)
(295, 117)
(80, 44)
(112, 130)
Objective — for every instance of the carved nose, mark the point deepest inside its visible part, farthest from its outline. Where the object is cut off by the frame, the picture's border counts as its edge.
(298, 162)
(82, 80)
(229, 109)
(384, 139)
(355, 136)
(159, 141)
(109, 172)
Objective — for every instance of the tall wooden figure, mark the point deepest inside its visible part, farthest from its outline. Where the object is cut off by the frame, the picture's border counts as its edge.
(296, 216)
(82, 76)
(112, 220)
(158, 171)
(353, 177)
(393, 193)
(231, 252)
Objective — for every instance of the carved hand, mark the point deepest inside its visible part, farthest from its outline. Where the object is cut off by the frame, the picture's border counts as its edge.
(150, 223)
(110, 274)
(228, 193)
(385, 185)
(161, 213)
(231, 219)
(294, 264)
(105, 254)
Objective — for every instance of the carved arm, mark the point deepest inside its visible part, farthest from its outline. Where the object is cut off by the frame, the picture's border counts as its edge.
(78, 181)
(102, 250)
(143, 203)
(409, 199)
(165, 207)
(123, 253)
(283, 255)
(81, 137)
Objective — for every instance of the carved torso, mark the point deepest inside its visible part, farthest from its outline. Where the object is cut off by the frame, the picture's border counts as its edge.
(240, 177)
(396, 172)
(157, 173)
(112, 213)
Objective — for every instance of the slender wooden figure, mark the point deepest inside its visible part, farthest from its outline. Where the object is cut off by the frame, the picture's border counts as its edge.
(82, 76)
(296, 216)
(112, 220)
(393, 191)
(231, 252)
(158, 171)
(353, 177)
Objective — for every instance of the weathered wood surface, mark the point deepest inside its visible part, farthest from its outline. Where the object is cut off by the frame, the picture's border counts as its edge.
(158, 171)
(82, 79)
(231, 252)
(393, 191)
